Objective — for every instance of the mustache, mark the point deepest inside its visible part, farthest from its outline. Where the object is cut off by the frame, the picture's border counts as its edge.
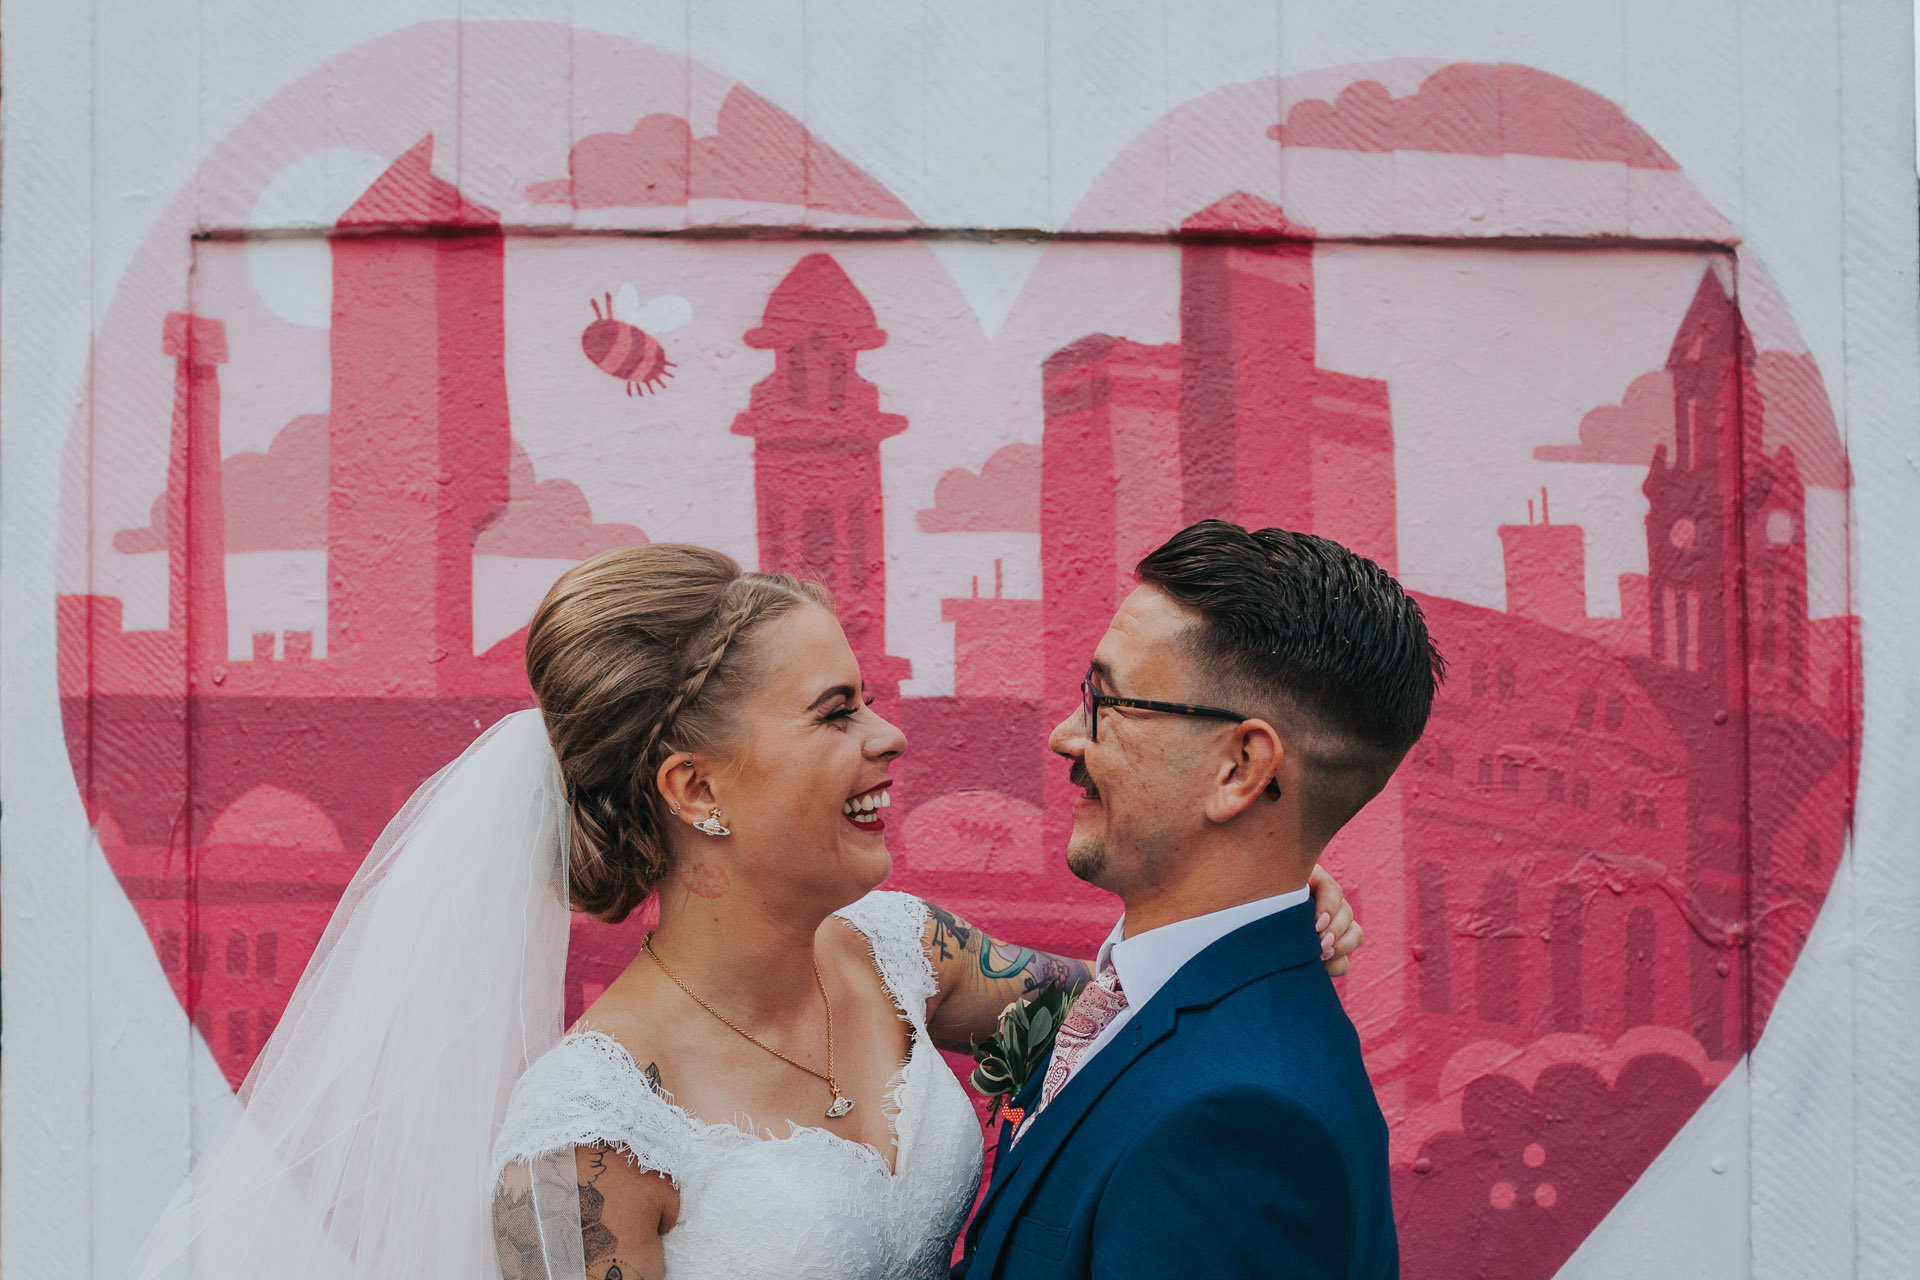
(1079, 776)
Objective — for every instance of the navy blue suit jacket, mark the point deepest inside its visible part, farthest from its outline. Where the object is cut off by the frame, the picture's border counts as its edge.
(1228, 1130)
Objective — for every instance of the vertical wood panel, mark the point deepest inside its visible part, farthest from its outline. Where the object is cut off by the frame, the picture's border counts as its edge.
(760, 178)
(862, 66)
(507, 124)
(986, 116)
(140, 145)
(1106, 87)
(1876, 122)
(1788, 203)
(649, 65)
(45, 1083)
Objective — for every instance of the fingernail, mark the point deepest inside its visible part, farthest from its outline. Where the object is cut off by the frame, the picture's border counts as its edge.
(1322, 923)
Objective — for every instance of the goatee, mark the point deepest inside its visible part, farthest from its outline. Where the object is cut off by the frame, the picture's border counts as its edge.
(1086, 859)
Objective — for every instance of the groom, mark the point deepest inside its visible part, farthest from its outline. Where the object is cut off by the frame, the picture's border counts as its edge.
(1205, 1112)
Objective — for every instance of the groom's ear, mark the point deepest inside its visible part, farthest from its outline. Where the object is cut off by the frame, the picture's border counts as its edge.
(1249, 772)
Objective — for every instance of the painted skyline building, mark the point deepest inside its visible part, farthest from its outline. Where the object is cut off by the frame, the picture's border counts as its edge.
(817, 427)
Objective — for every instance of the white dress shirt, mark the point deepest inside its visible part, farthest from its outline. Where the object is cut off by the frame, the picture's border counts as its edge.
(1146, 961)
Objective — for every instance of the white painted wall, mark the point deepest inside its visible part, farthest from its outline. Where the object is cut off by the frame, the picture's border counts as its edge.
(1794, 117)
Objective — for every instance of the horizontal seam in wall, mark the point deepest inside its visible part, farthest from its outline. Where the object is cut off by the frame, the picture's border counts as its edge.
(1024, 235)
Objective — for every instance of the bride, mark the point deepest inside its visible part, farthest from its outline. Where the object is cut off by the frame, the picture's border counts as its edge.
(758, 1094)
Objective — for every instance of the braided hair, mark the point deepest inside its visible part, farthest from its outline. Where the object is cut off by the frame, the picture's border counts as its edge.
(633, 655)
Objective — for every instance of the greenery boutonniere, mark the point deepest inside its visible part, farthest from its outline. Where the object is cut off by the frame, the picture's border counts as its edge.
(1006, 1060)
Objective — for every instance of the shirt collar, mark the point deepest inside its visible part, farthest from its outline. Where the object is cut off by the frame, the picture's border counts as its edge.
(1146, 961)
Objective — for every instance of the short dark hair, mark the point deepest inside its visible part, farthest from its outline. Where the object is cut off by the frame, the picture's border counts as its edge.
(1326, 636)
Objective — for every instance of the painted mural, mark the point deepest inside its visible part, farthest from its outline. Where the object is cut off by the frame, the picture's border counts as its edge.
(346, 464)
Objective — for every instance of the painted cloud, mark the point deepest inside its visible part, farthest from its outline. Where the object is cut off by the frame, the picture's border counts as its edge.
(1795, 414)
(548, 520)
(274, 501)
(277, 501)
(1627, 432)
(757, 152)
(1476, 109)
(1003, 498)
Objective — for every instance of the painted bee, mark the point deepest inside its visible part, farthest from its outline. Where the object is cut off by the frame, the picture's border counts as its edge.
(619, 342)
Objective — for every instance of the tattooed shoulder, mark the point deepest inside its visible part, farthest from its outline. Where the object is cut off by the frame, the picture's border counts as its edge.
(946, 931)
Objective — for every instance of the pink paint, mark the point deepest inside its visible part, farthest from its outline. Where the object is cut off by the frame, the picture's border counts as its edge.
(1480, 109)
(817, 427)
(417, 449)
(624, 351)
(1003, 497)
(758, 153)
(548, 520)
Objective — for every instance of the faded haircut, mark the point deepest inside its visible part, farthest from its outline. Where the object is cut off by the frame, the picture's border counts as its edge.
(1326, 638)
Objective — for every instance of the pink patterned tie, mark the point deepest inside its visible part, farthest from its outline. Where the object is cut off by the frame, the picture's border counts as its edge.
(1099, 1003)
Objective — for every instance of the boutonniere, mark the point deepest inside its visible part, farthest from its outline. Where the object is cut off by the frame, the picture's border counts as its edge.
(1007, 1059)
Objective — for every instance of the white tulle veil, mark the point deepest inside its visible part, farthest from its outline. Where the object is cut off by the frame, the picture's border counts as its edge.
(364, 1148)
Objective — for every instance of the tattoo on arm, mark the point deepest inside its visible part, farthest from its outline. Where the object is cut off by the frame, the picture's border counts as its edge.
(597, 1241)
(981, 975)
(517, 1200)
(516, 1224)
(949, 931)
(516, 1227)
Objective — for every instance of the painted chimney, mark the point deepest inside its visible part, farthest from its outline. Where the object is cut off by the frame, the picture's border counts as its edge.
(196, 514)
(1546, 570)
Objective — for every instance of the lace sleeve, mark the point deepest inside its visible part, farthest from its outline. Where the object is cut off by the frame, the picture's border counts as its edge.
(895, 925)
(589, 1090)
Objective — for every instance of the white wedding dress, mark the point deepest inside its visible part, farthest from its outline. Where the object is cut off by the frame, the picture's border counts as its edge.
(806, 1204)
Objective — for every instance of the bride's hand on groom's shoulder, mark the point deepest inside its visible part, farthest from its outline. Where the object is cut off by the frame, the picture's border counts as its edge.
(1340, 933)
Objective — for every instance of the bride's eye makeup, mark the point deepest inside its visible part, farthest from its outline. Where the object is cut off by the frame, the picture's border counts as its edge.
(849, 711)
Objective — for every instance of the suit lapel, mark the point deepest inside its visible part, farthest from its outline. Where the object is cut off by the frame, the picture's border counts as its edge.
(1024, 1102)
(1003, 1153)
(1016, 1168)
(1285, 940)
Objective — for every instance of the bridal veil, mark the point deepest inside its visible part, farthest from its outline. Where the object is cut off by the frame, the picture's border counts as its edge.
(364, 1147)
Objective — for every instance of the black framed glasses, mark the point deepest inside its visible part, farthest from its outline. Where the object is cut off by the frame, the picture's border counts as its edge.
(1091, 700)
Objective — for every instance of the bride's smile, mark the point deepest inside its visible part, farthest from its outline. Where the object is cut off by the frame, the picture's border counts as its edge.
(863, 810)
(798, 763)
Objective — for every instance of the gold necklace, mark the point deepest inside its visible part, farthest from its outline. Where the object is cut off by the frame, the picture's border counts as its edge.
(841, 1104)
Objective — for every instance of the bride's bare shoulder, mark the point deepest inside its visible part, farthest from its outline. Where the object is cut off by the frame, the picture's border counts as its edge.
(640, 1022)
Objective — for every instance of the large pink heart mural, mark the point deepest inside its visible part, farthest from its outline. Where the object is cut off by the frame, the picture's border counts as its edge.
(1429, 309)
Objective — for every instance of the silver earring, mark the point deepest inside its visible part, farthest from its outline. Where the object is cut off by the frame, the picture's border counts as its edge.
(711, 824)
(671, 805)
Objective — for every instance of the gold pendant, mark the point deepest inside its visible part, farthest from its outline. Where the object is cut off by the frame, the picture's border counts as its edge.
(841, 1105)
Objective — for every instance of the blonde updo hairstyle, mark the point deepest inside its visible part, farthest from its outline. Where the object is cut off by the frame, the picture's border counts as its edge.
(635, 654)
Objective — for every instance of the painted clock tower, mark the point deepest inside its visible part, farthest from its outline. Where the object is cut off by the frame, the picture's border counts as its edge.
(817, 428)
